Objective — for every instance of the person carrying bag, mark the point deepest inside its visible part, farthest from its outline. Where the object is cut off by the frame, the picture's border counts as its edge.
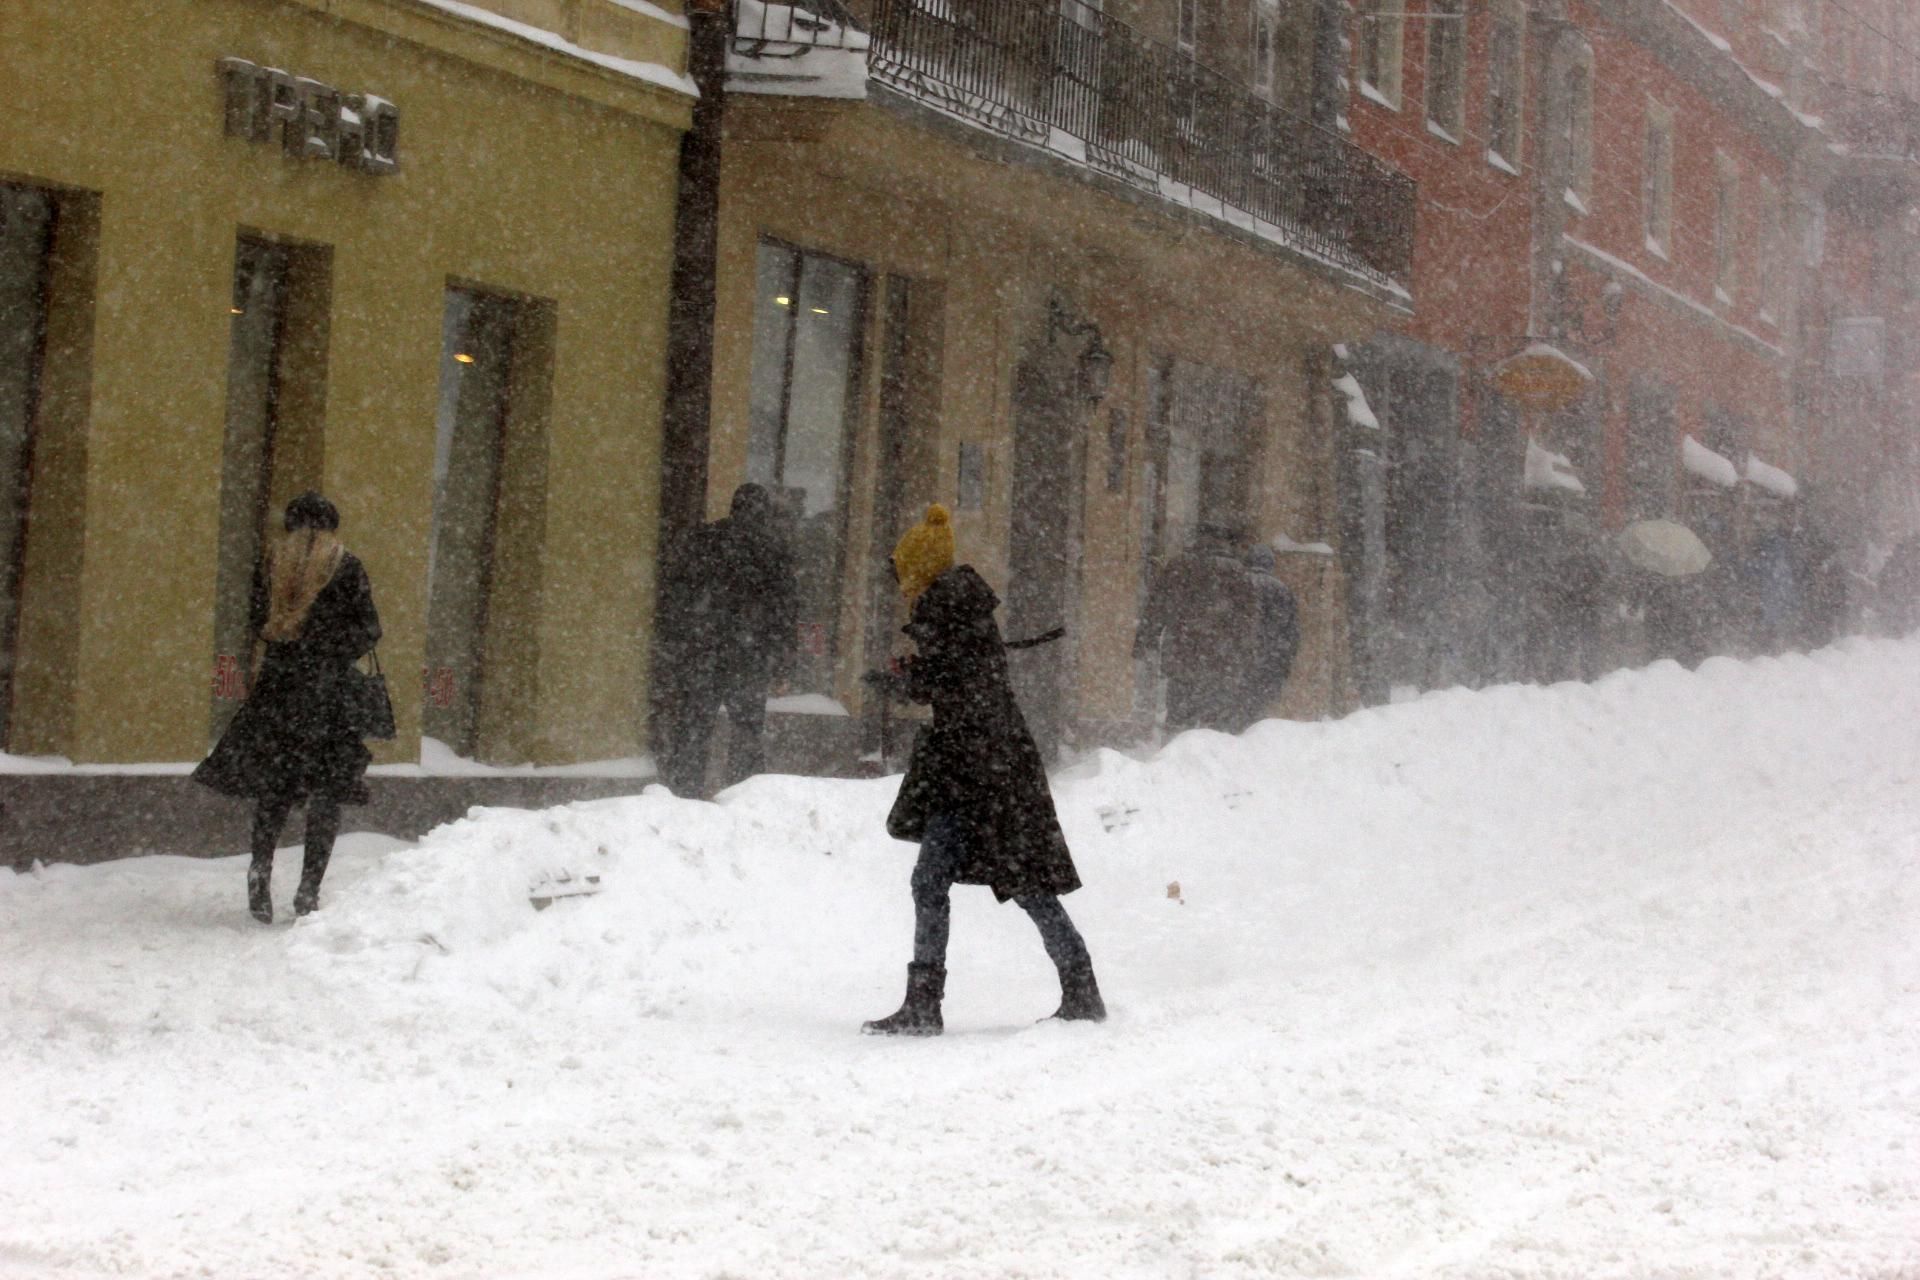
(297, 739)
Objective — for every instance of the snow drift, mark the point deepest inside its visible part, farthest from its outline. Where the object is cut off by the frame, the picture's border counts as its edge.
(1608, 980)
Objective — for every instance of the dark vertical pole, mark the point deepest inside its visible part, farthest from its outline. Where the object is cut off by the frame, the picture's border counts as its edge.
(685, 424)
(690, 312)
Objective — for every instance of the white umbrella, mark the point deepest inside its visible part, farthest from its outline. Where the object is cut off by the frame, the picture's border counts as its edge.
(1665, 547)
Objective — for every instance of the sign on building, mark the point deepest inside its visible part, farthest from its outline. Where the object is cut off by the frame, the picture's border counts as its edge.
(315, 121)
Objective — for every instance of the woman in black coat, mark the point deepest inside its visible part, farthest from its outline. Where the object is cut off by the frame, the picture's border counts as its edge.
(975, 795)
(293, 741)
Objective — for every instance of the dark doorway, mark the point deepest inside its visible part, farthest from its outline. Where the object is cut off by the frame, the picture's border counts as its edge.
(26, 239)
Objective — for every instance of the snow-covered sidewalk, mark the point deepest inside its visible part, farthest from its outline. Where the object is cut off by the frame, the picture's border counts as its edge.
(1618, 980)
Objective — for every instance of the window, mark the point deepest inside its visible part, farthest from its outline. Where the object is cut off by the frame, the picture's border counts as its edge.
(1188, 31)
(1446, 64)
(1767, 273)
(1506, 75)
(1380, 36)
(1726, 228)
(477, 332)
(1263, 52)
(1656, 180)
(1576, 126)
(809, 315)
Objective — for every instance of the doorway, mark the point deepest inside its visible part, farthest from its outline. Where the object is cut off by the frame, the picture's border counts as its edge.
(26, 240)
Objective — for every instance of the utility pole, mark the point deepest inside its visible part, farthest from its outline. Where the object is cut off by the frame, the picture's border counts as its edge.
(686, 418)
(686, 421)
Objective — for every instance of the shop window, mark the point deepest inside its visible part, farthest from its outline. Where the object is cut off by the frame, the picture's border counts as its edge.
(1446, 65)
(276, 369)
(470, 432)
(1506, 76)
(26, 239)
(1201, 435)
(1656, 183)
(1382, 25)
(808, 320)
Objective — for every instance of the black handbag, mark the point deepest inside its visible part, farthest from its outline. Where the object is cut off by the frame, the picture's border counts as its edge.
(369, 707)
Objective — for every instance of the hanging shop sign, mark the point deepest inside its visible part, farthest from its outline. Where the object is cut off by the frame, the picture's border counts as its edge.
(314, 121)
(1542, 377)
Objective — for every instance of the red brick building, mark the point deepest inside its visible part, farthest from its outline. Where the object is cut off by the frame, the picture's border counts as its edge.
(1635, 192)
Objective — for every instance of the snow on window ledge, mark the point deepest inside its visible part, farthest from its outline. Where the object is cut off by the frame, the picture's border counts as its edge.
(1657, 249)
(1441, 132)
(1574, 202)
(1372, 94)
(1501, 163)
(1721, 296)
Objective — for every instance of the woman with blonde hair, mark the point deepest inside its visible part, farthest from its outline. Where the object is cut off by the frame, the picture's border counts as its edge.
(294, 741)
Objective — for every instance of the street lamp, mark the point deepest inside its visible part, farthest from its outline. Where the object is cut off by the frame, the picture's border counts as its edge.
(1096, 362)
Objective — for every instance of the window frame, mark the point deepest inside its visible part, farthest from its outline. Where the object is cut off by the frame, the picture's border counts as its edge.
(1446, 28)
(1379, 51)
(1726, 227)
(1656, 179)
(1507, 82)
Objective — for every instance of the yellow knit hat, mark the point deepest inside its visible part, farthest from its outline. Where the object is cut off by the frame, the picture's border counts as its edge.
(924, 552)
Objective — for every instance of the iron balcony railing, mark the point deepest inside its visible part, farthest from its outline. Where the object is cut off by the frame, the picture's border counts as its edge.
(1065, 76)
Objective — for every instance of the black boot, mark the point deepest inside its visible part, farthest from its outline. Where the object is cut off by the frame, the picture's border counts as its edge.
(1080, 995)
(920, 1015)
(260, 890)
(307, 896)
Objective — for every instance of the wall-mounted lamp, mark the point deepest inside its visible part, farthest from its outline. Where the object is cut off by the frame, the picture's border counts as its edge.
(462, 357)
(1096, 362)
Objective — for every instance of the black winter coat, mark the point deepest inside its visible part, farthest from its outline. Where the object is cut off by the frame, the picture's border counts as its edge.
(291, 737)
(729, 607)
(976, 761)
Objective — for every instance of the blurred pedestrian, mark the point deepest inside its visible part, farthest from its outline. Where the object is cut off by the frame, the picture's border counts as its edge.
(1203, 617)
(727, 635)
(1278, 638)
(295, 740)
(975, 795)
(1897, 588)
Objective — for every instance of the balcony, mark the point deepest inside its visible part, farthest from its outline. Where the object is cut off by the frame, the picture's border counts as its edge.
(1066, 78)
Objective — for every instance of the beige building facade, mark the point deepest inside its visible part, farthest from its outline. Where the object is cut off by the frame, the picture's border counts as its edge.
(414, 255)
(921, 302)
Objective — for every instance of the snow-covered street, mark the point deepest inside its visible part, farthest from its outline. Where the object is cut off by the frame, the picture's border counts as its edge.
(1618, 980)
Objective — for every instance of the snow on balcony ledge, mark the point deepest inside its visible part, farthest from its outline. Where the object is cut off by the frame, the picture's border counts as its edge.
(1546, 469)
(1771, 478)
(1708, 465)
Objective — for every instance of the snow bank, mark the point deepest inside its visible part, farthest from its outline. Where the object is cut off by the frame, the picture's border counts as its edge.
(1601, 981)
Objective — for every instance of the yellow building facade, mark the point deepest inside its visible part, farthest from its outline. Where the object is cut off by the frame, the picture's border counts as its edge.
(415, 255)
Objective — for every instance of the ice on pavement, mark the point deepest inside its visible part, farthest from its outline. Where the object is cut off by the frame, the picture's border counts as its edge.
(1615, 980)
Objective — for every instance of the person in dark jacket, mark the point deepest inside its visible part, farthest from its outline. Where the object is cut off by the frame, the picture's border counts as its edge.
(293, 741)
(727, 636)
(1278, 638)
(1203, 617)
(975, 794)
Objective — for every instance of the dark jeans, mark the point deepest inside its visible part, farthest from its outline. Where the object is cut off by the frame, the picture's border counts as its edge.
(941, 850)
(323, 824)
(683, 765)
